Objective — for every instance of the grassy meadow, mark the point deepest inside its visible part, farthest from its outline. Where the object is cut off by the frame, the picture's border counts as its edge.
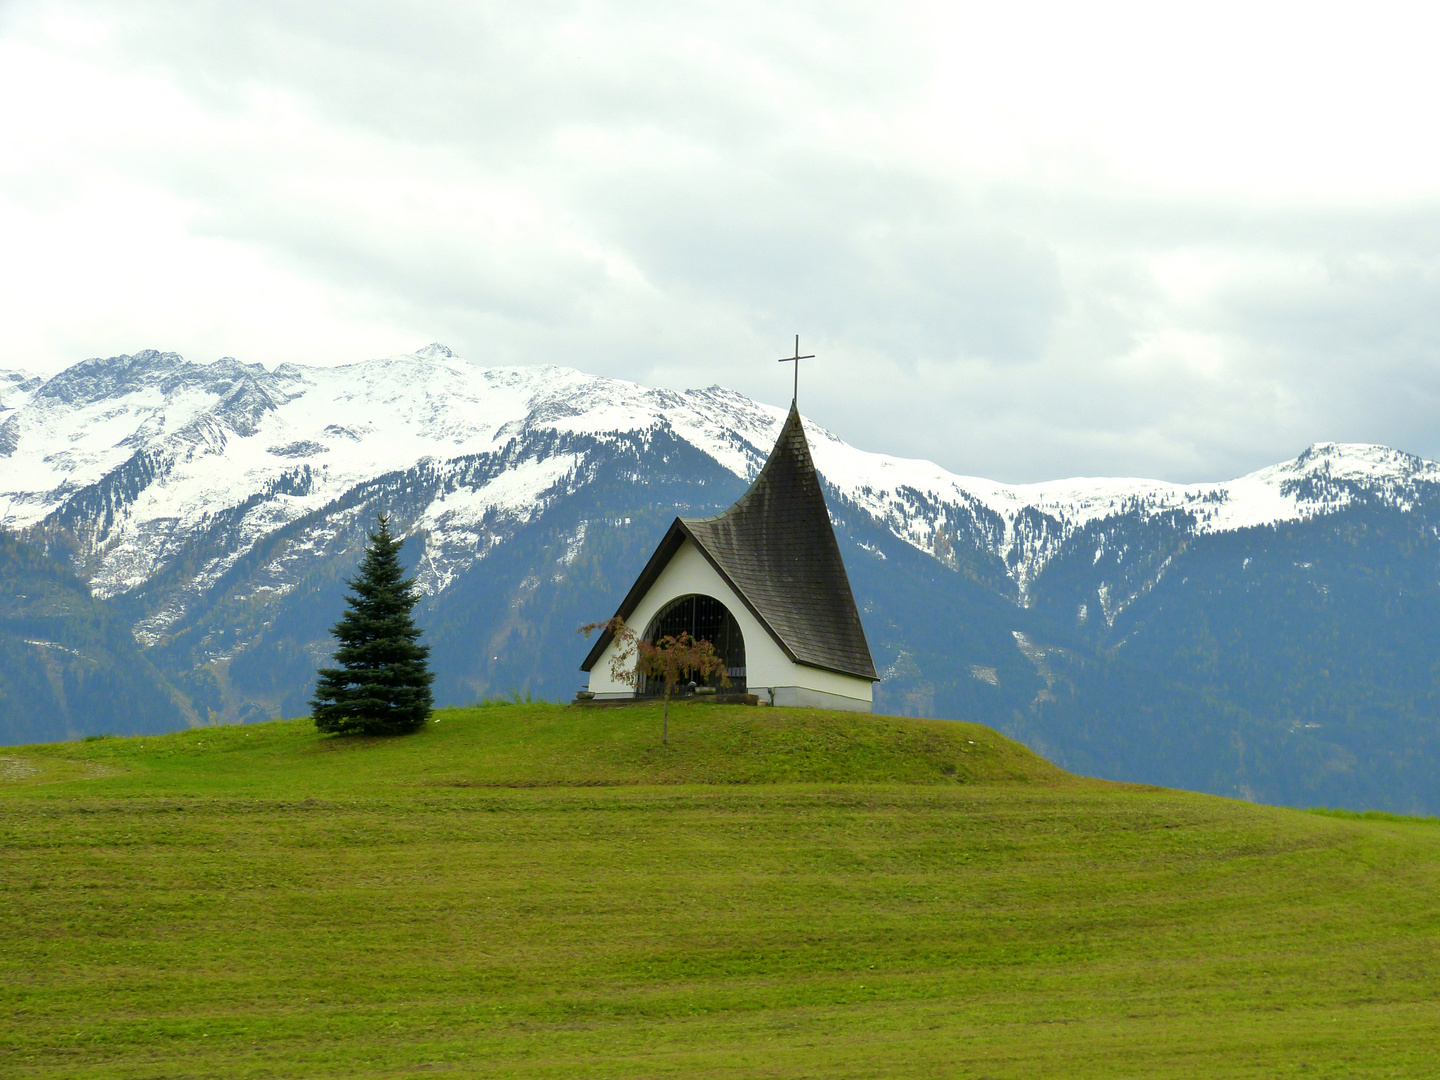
(541, 891)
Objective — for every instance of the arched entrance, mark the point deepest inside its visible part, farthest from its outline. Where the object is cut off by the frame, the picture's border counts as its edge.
(705, 619)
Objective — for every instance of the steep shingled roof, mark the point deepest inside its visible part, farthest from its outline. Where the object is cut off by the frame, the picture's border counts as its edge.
(776, 548)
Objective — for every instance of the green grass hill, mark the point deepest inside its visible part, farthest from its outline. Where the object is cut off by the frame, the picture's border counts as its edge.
(542, 891)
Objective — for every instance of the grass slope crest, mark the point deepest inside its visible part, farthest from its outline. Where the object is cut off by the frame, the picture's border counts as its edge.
(504, 744)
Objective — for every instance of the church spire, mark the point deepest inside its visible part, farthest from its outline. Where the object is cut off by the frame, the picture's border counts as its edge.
(777, 547)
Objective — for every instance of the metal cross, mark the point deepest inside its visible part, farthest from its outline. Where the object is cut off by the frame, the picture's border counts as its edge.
(796, 361)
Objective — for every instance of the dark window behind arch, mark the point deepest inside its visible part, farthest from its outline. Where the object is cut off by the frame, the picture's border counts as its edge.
(705, 619)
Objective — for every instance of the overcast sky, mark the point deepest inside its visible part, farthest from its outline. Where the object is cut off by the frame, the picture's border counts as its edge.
(1026, 240)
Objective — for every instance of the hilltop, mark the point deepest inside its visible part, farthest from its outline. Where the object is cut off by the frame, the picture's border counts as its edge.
(532, 890)
(538, 745)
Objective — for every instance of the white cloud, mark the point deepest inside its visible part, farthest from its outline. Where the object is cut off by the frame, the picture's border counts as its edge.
(1027, 240)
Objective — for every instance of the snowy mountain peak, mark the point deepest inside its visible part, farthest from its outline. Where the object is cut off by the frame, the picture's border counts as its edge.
(1359, 461)
(434, 351)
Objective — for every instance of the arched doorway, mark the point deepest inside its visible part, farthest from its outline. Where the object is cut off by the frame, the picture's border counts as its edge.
(705, 619)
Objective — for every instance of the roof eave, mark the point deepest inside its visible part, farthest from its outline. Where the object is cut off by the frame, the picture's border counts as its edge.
(863, 676)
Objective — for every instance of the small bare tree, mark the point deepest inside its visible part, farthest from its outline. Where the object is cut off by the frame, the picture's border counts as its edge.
(677, 658)
(673, 659)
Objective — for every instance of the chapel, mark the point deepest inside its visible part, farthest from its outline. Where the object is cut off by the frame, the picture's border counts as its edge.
(765, 585)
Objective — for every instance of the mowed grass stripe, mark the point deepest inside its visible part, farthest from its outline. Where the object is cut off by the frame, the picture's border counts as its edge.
(262, 901)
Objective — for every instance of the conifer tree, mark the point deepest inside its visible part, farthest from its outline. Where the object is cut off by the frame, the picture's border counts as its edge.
(381, 684)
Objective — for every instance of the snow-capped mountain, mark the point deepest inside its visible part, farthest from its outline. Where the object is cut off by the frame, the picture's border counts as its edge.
(135, 453)
(1027, 524)
(210, 512)
(158, 445)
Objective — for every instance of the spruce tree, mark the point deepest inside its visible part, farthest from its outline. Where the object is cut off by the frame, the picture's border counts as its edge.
(381, 685)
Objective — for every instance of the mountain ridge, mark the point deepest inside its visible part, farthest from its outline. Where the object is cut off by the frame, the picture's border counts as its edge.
(175, 413)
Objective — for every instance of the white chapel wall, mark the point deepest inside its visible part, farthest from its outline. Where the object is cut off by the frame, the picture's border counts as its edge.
(766, 664)
(819, 689)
